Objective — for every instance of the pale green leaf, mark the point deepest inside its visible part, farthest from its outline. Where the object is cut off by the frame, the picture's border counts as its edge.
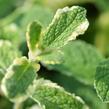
(33, 35)
(79, 60)
(66, 25)
(20, 75)
(52, 96)
(102, 80)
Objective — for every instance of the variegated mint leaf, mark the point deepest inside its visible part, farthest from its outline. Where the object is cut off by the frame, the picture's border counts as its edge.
(102, 80)
(67, 24)
(33, 35)
(20, 75)
(52, 96)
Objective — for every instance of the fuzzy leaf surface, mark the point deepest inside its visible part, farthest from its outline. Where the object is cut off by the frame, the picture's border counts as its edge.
(18, 78)
(102, 80)
(52, 96)
(66, 25)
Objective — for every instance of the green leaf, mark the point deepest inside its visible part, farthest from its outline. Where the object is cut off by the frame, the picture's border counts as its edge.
(33, 35)
(53, 96)
(102, 80)
(7, 54)
(79, 60)
(66, 25)
(20, 75)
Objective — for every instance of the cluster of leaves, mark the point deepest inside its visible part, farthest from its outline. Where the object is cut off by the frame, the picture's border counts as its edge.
(21, 76)
(57, 70)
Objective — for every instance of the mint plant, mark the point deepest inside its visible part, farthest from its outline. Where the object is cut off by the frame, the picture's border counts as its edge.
(21, 80)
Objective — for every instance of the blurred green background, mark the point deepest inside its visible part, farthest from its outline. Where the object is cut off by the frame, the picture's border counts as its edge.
(15, 15)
